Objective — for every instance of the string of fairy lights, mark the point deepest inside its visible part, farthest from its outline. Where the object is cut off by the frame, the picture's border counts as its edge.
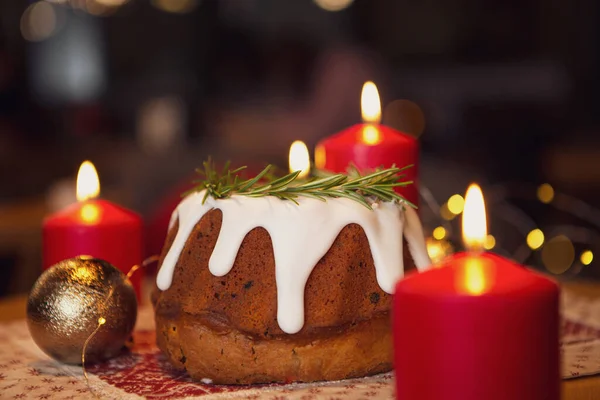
(560, 248)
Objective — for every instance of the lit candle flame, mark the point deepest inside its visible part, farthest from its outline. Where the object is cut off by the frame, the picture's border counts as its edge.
(369, 103)
(474, 225)
(370, 107)
(475, 274)
(299, 159)
(88, 184)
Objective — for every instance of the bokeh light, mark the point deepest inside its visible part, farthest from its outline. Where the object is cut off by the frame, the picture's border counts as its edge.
(558, 254)
(439, 233)
(545, 193)
(175, 6)
(38, 22)
(160, 124)
(489, 243)
(334, 5)
(445, 213)
(405, 116)
(456, 204)
(438, 250)
(535, 239)
(98, 8)
(111, 3)
(586, 257)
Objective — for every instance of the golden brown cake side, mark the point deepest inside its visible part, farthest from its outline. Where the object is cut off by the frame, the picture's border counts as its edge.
(227, 356)
(346, 332)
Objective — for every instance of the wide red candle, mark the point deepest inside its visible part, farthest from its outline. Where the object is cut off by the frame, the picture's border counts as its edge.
(371, 145)
(478, 327)
(95, 228)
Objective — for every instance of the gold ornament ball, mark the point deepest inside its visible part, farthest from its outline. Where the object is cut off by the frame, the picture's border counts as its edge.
(67, 301)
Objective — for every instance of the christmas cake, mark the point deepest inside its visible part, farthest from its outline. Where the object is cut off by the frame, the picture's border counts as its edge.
(264, 289)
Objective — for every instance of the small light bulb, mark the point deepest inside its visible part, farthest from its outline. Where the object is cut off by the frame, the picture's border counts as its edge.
(586, 257)
(456, 204)
(545, 193)
(446, 213)
(489, 243)
(439, 233)
(535, 239)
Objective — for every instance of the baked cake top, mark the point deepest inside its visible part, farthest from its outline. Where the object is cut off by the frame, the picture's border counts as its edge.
(301, 235)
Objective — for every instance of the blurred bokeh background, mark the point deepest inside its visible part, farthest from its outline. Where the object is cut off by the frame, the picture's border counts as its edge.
(146, 89)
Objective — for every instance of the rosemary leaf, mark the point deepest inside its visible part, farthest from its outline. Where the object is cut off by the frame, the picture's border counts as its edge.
(362, 188)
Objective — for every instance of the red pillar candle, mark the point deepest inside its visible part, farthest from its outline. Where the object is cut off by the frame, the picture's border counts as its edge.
(370, 145)
(478, 327)
(96, 228)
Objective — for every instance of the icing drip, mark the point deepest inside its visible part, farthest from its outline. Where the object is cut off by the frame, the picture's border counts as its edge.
(301, 235)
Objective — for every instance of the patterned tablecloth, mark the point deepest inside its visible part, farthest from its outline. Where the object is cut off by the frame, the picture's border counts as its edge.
(27, 373)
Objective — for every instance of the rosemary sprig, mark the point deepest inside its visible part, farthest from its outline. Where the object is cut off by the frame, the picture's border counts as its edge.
(379, 184)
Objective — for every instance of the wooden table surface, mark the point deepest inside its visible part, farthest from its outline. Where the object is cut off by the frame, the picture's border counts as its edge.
(586, 388)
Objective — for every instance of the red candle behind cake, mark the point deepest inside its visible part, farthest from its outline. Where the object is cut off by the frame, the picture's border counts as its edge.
(478, 327)
(94, 227)
(370, 145)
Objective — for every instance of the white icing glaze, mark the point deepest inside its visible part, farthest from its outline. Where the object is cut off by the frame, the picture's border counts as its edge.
(301, 235)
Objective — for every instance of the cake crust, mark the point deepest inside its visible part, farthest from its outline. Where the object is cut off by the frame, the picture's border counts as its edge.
(228, 356)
